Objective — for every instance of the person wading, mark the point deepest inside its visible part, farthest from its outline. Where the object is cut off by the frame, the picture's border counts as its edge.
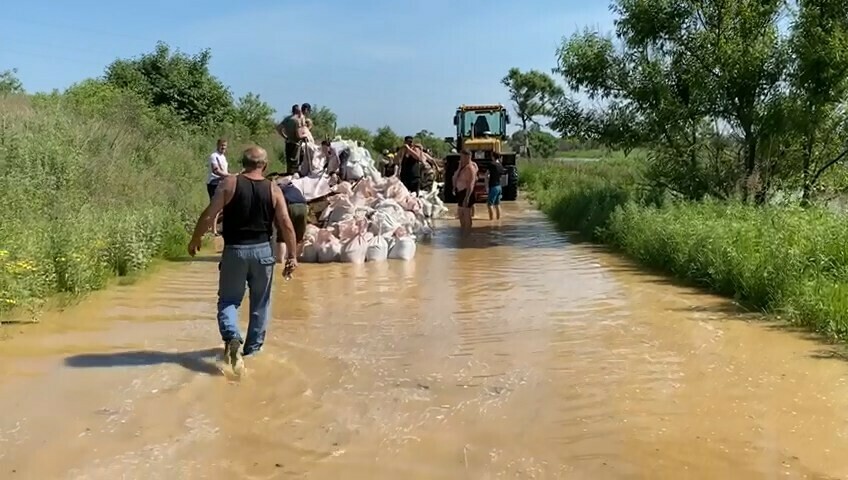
(218, 169)
(495, 171)
(464, 180)
(251, 204)
(410, 166)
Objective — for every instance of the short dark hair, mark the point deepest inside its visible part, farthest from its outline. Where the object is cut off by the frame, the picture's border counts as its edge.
(325, 143)
(408, 138)
(295, 108)
(306, 106)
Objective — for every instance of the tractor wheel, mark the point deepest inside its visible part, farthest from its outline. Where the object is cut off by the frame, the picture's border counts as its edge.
(510, 190)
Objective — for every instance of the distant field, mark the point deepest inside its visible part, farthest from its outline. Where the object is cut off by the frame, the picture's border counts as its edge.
(599, 154)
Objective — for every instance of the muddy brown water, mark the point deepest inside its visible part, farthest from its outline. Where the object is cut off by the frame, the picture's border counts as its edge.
(512, 354)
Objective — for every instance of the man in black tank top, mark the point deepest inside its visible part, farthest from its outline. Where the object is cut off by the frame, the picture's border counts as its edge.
(251, 205)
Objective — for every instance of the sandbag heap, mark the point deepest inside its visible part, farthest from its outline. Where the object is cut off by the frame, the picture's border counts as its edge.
(373, 219)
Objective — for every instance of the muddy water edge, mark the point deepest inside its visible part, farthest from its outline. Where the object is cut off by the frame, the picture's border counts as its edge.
(510, 354)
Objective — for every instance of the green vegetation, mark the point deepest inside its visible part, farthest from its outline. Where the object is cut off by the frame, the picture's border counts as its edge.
(741, 128)
(786, 260)
(101, 179)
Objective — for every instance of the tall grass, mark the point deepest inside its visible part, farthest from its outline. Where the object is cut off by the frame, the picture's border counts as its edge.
(785, 260)
(88, 193)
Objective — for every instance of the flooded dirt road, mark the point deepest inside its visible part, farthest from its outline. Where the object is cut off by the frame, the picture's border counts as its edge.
(513, 354)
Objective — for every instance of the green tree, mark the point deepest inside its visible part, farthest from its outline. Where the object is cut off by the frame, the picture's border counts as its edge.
(533, 94)
(436, 144)
(386, 139)
(542, 144)
(324, 123)
(355, 132)
(819, 78)
(177, 81)
(256, 115)
(10, 83)
(678, 69)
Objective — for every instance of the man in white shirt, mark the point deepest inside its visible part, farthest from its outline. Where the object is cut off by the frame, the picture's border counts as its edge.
(217, 170)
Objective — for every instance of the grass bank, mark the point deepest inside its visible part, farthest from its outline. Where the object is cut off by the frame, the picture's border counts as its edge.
(783, 260)
(92, 189)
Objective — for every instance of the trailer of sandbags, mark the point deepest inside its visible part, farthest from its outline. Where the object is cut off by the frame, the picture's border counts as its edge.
(372, 220)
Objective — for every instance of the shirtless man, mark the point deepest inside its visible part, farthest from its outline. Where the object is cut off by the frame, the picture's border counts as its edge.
(464, 180)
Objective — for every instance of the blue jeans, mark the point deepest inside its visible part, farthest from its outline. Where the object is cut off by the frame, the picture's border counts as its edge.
(251, 265)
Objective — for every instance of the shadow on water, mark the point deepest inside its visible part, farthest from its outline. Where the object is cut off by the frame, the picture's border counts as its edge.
(197, 361)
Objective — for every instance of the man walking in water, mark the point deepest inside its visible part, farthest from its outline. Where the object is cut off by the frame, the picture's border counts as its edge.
(251, 204)
(464, 180)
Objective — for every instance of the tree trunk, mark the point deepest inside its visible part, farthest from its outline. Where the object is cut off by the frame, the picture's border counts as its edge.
(750, 162)
(806, 164)
(526, 137)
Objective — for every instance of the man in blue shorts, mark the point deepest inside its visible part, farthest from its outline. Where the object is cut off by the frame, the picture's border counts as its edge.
(495, 171)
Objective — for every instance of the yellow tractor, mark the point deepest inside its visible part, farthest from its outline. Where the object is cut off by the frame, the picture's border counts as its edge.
(481, 129)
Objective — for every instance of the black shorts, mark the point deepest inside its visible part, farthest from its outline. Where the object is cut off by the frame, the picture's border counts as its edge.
(413, 185)
(460, 199)
(210, 189)
(291, 157)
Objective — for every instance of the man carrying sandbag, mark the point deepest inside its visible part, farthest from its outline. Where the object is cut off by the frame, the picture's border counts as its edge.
(410, 166)
(252, 205)
(298, 212)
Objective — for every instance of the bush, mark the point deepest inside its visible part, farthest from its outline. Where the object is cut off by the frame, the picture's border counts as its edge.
(786, 260)
(95, 184)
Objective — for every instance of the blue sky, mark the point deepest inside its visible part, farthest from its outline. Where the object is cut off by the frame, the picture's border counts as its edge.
(407, 63)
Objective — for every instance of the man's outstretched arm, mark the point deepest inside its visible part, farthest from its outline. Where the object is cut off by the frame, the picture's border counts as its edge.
(223, 195)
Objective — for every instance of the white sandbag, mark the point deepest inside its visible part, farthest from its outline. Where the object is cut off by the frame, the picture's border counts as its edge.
(365, 188)
(354, 171)
(383, 223)
(403, 248)
(378, 249)
(328, 246)
(314, 186)
(354, 238)
(309, 253)
(339, 209)
(344, 187)
(310, 233)
(396, 190)
(313, 161)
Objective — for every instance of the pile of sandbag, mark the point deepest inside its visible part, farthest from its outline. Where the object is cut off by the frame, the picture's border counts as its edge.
(373, 219)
